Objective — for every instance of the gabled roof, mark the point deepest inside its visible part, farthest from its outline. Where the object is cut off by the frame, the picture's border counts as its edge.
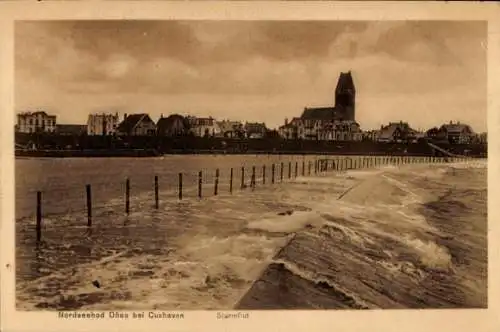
(388, 131)
(169, 120)
(456, 127)
(318, 113)
(132, 121)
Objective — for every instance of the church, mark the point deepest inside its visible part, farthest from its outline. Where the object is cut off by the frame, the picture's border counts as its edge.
(344, 109)
(332, 123)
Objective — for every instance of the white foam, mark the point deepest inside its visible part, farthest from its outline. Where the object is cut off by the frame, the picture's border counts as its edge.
(287, 223)
(431, 254)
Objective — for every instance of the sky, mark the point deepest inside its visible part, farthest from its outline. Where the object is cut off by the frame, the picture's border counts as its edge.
(424, 72)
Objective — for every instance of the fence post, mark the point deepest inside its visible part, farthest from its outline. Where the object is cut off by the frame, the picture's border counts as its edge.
(156, 193)
(281, 172)
(127, 196)
(89, 205)
(38, 216)
(296, 168)
(200, 184)
(272, 173)
(180, 186)
(289, 169)
(309, 167)
(303, 168)
(231, 181)
(252, 180)
(242, 177)
(216, 184)
(263, 174)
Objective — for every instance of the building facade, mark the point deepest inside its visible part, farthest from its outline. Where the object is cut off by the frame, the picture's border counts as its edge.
(172, 126)
(102, 124)
(397, 132)
(255, 130)
(231, 129)
(203, 127)
(457, 133)
(137, 125)
(36, 122)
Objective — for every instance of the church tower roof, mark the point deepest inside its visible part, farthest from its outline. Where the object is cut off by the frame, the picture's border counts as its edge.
(345, 82)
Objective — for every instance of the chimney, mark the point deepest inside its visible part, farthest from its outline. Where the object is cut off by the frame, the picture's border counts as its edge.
(161, 116)
(286, 121)
(124, 116)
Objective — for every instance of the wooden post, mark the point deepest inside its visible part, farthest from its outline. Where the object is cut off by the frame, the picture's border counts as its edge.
(231, 181)
(216, 184)
(252, 180)
(180, 186)
(263, 174)
(281, 171)
(156, 193)
(200, 184)
(296, 168)
(309, 168)
(89, 205)
(127, 196)
(273, 170)
(289, 169)
(242, 177)
(38, 216)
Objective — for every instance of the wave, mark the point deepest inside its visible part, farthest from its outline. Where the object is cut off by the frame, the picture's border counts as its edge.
(360, 239)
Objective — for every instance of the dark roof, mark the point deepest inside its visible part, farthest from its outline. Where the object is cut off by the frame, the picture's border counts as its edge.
(166, 122)
(388, 131)
(345, 82)
(318, 113)
(71, 129)
(255, 127)
(456, 127)
(131, 121)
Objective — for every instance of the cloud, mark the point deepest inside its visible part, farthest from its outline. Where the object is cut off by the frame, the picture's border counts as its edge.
(241, 66)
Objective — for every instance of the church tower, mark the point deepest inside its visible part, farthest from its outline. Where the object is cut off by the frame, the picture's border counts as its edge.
(345, 96)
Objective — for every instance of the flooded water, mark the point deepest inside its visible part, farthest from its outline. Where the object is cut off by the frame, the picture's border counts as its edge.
(413, 236)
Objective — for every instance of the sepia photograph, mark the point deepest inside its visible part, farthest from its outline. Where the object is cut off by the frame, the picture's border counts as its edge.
(199, 166)
(180, 165)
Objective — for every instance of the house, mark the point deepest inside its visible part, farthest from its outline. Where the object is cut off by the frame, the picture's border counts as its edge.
(35, 122)
(102, 124)
(341, 131)
(71, 129)
(396, 132)
(370, 135)
(436, 134)
(457, 133)
(231, 129)
(290, 130)
(255, 130)
(172, 125)
(136, 125)
(483, 138)
(203, 127)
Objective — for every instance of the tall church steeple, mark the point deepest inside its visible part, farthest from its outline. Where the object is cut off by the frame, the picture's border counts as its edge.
(345, 96)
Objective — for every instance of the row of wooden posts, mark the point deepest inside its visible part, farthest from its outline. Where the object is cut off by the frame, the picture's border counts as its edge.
(320, 166)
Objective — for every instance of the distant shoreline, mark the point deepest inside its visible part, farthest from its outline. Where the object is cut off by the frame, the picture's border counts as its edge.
(57, 146)
(145, 153)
